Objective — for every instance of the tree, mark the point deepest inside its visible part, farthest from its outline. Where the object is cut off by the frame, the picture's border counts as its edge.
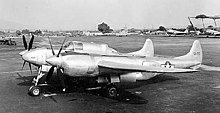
(104, 28)
(38, 32)
(25, 31)
(2, 32)
(190, 28)
(161, 28)
(18, 32)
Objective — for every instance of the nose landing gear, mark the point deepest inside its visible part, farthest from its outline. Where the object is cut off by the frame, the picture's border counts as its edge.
(34, 91)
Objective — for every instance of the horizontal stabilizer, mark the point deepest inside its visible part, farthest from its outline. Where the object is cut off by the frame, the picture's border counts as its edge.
(140, 68)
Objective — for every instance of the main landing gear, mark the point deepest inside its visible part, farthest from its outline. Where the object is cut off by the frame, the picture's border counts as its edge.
(111, 90)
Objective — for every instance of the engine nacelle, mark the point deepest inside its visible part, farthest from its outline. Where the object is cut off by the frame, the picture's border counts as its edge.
(102, 80)
(133, 77)
(129, 77)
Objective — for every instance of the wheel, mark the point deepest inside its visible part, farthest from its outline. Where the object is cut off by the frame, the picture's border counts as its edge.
(6, 43)
(34, 91)
(112, 91)
(13, 43)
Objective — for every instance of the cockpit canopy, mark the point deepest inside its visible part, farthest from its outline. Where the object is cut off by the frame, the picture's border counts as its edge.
(73, 45)
(89, 47)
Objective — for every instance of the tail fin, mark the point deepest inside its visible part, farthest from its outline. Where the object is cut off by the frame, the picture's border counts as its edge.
(147, 50)
(195, 53)
(186, 31)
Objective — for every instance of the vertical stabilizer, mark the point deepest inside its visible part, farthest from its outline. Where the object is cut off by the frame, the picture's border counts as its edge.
(195, 52)
(147, 50)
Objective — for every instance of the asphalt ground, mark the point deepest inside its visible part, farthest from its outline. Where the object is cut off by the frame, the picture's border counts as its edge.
(175, 93)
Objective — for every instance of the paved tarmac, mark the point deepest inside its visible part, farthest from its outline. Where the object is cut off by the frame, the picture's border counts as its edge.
(176, 93)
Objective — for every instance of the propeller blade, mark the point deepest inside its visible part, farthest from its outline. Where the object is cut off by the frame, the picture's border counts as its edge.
(24, 42)
(51, 46)
(49, 74)
(30, 68)
(23, 65)
(61, 76)
(61, 48)
(31, 42)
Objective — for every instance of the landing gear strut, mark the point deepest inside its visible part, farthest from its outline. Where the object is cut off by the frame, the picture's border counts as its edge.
(35, 90)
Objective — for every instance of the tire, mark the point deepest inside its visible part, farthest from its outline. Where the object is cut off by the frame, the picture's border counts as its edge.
(34, 91)
(13, 43)
(112, 91)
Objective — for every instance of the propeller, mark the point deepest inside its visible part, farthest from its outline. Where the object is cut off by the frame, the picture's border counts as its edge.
(51, 46)
(31, 42)
(61, 48)
(59, 69)
(24, 42)
(27, 49)
(49, 74)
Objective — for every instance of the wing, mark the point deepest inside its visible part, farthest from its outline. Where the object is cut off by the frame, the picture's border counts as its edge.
(140, 68)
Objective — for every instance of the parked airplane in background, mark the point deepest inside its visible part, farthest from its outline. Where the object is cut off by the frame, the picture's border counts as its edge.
(38, 56)
(212, 32)
(207, 31)
(171, 32)
(109, 70)
(123, 32)
(194, 31)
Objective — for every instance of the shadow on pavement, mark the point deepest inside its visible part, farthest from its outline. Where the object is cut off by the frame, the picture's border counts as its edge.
(124, 96)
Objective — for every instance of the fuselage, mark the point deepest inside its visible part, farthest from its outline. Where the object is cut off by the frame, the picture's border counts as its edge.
(175, 32)
(212, 32)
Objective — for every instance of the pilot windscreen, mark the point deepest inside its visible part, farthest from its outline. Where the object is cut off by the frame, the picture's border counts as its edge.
(69, 46)
(78, 46)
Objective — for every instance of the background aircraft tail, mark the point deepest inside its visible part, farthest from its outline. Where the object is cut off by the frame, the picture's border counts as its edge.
(195, 53)
(186, 31)
(147, 50)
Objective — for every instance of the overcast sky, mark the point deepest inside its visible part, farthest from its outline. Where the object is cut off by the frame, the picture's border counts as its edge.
(87, 14)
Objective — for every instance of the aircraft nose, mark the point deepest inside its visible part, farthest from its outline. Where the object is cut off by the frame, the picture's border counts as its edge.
(54, 60)
(23, 52)
(25, 56)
